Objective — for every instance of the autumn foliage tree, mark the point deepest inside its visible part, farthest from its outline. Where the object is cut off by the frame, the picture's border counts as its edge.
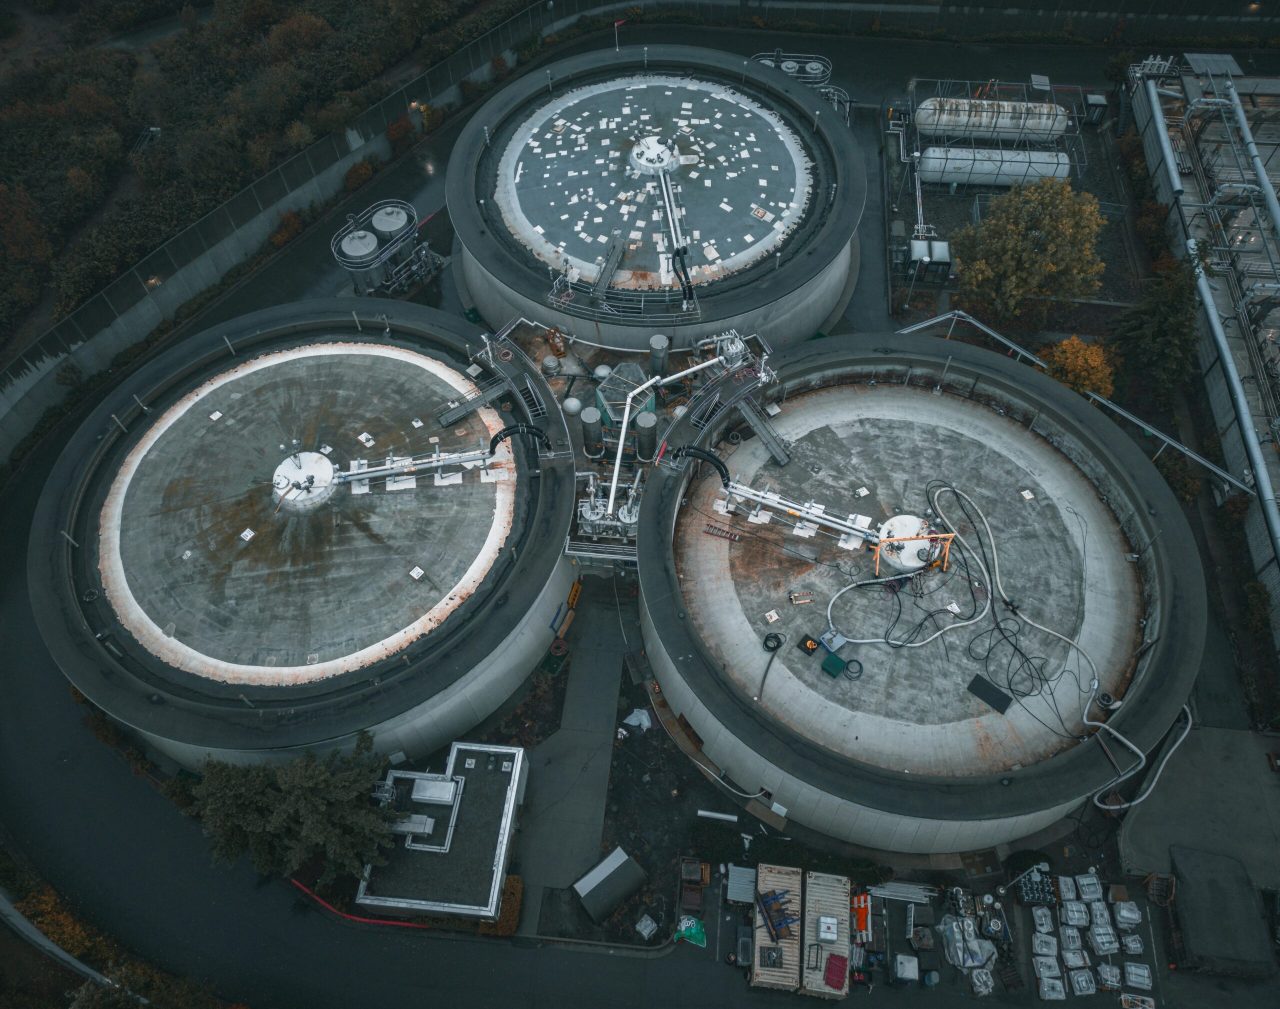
(1084, 367)
(1036, 244)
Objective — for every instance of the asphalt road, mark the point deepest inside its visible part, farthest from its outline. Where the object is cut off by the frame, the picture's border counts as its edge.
(130, 863)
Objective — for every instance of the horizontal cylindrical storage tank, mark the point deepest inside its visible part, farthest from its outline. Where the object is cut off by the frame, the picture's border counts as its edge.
(991, 167)
(982, 119)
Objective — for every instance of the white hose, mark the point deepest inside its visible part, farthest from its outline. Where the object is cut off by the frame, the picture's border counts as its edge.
(1093, 669)
(993, 580)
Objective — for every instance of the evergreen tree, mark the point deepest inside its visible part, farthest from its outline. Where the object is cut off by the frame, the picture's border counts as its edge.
(1156, 340)
(284, 816)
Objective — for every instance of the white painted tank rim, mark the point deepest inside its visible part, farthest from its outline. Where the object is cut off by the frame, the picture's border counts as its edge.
(173, 652)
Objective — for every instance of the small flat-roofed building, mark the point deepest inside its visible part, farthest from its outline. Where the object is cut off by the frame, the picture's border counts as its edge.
(607, 885)
(457, 829)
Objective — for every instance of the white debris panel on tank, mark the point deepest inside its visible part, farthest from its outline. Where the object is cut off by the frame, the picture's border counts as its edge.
(567, 185)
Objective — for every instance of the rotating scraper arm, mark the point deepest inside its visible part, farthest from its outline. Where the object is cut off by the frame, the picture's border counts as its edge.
(413, 464)
(808, 512)
(676, 232)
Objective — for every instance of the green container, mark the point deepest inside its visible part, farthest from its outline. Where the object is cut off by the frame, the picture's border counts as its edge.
(834, 666)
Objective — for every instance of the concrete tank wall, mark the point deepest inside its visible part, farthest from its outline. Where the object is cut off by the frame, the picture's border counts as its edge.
(440, 720)
(819, 810)
(795, 317)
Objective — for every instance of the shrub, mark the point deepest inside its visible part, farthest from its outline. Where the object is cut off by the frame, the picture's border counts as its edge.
(1179, 474)
(357, 175)
(509, 916)
(1257, 608)
(400, 135)
(1084, 367)
(290, 227)
(45, 909)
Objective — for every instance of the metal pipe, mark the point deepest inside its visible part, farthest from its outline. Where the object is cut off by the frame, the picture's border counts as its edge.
(707, 814)
(958, 316)
(626, 419)
(1244, 416)
(1259, 169)
(1162, 135)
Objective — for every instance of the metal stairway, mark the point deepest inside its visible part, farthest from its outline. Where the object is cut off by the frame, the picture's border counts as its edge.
(758, 421)
(532, 400)
(484, 395)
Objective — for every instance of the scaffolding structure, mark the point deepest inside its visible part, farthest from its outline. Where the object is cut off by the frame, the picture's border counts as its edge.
(1223, 203)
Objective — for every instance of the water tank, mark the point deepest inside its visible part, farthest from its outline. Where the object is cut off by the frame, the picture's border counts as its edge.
(592, 433)
(572, 406)
(989, 167)
(360, 249)
(646, 436)
(389, 223)
(658, 346)
(550, 365)
(602, 372)
(979, 119)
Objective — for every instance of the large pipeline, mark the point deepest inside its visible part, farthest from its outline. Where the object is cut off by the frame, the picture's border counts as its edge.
(1244, 415)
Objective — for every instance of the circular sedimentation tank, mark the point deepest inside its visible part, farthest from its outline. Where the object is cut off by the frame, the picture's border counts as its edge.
(237, 588)
(671, 189)
(928, 694)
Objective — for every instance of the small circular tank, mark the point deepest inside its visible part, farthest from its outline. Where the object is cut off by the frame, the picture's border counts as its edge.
(360, 249)
(551, 365)
(572, 406)
(602, 372)
(389, 223)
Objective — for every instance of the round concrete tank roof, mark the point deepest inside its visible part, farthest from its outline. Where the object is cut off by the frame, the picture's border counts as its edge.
(562, 195)
(237, 587)
(924, 712)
